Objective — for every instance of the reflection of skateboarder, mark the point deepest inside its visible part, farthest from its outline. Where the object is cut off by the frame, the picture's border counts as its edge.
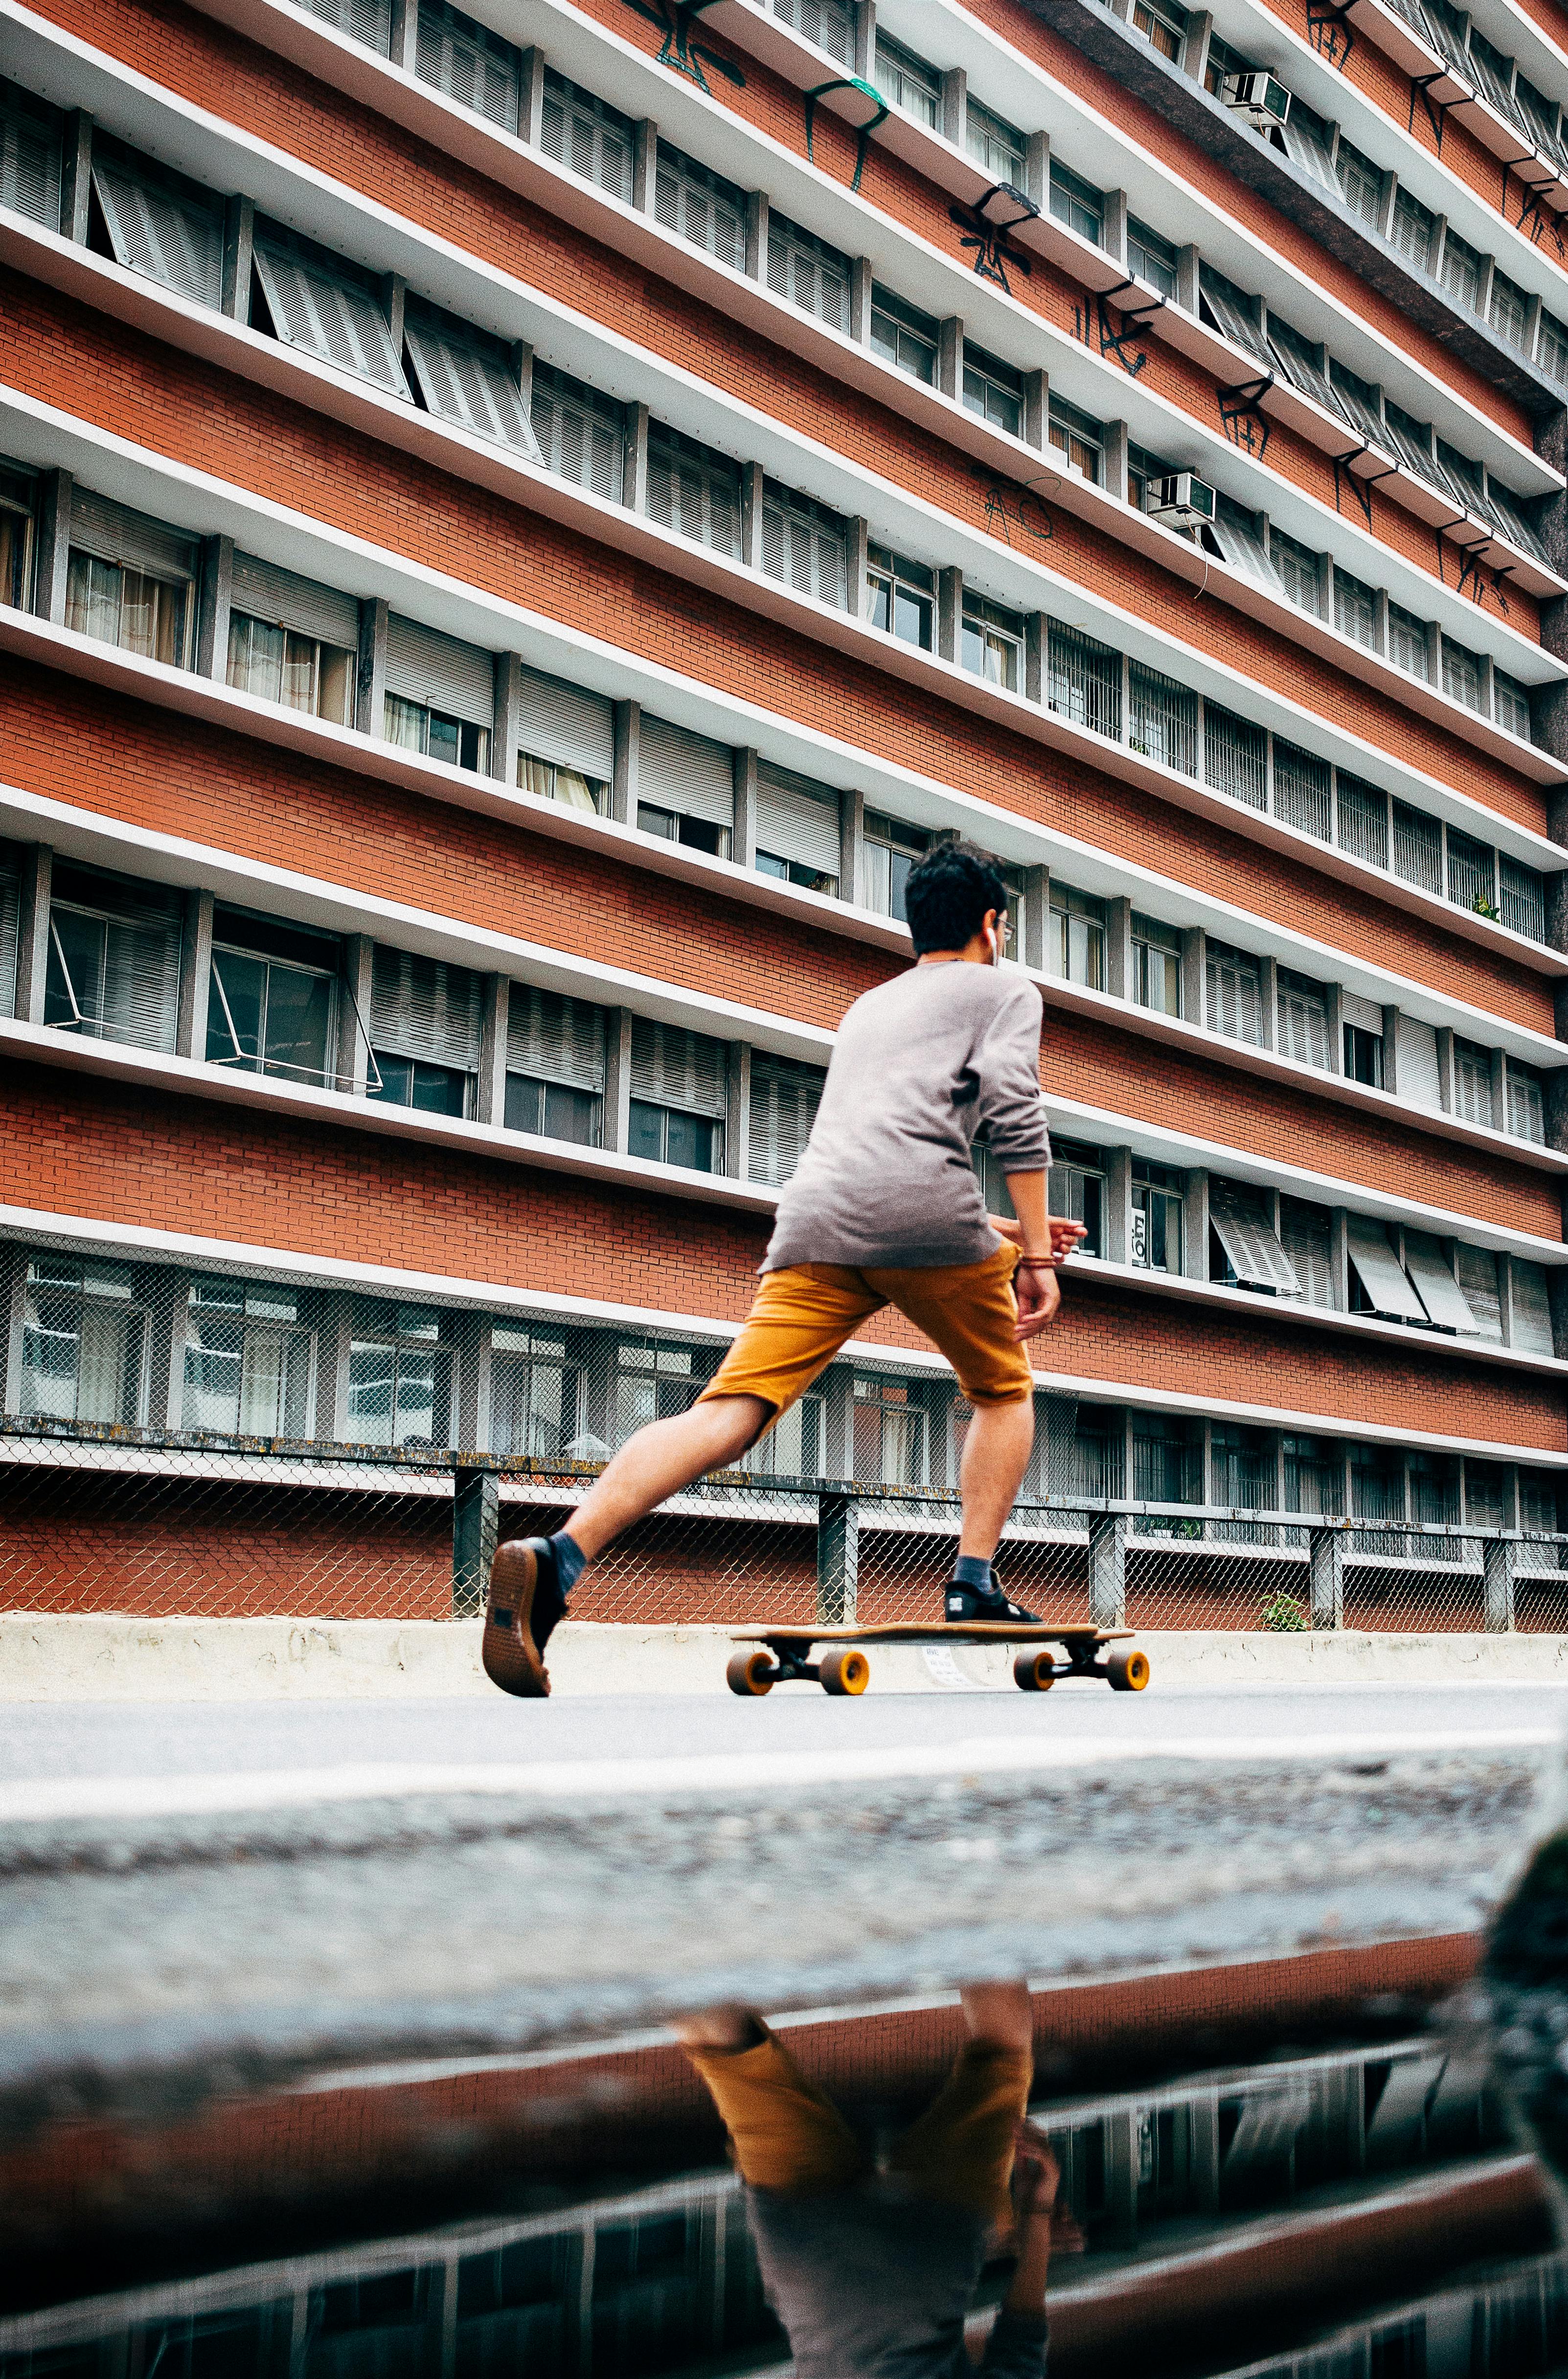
(884, 1209)
(875, 2272)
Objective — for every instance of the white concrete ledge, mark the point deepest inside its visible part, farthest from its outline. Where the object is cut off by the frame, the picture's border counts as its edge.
(113, 1658)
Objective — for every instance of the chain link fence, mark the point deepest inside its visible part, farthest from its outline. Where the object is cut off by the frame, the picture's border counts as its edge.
(161, 1525)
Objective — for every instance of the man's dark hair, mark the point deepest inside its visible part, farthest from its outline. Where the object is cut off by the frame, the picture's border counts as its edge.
(948, 894)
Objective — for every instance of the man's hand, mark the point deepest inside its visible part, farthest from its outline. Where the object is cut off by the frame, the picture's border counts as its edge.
(1040, 2225)
(1064, 1236)
(1038, 1293)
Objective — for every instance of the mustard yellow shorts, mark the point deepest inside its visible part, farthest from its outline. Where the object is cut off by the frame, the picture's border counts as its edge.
(802, 1316)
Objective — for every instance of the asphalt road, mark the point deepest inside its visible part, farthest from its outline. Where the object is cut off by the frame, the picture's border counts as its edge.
(106, 1739)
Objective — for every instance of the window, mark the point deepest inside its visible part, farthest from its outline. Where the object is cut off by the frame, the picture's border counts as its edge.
(1220, 63)
(1247, 1252)
(1078, 936)
(425, 1027)
(587, 136)
(1236, 756)
(1377, 1484)
(1356, 609)
(582, 436)
(570, 787)
(1472, 873)
(809, 272)
(999, 148)
(693, 491)
(1154, 258)
(131, 581)
(1077, 204)
(271, 1000)
(1414, 230)
(1552, 351)
(155, 223)
(535, 1396)
(992, 1180)
(1301, 1019)
(1314, 1475)
(1156, 965)
(1361, 181)
(1298, 571)
(1157, 1195)
(699, 206)
(367, 21)
(991, 643)
(463, 377)
(1076, 1191)
(1409, 648)
(1411, 440)
(907, 82)
(797, 830)
(1303, 790)
(1513, 704)
(1509, 309)
(247, 1362)
(1364, 1055)
(29, 155)
(903, 336)
(1161, 719)
(903, 596)
(417, 1083)
(679, 1096)
(1472, 1082)
(1306, 1237)
(1143, 470)
(785, 1096)
(308, 298)
(1462, 675)
(18, 496)
(1464, 476)
(1363, 819)
(1418, 847)
(1360, 401)
(685, 788)
(467, 62)
(993, 390)
(1235, 984)
(1461, 268)
(292, 642)
(555, 1066)
(664, 1136)
(829, 23)
(1522, 898)
(418, 727)
(888, 1427)
(804, 545)
(1232, 311)
(652, 1384)
(1084, 680)
(114, 961)
(440, 697)
(398, 1377)
(1078, 437)
(1167, 1463)
(83, 1341)
(791, 1448)
(1526, 1103)
(892, 849)
(1161, 24)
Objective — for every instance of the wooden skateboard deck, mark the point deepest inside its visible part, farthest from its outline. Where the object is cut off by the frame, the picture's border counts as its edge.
(767, 1656)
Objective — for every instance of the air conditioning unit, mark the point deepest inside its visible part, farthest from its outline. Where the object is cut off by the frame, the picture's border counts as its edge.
(1258, 99)
(1181, 501)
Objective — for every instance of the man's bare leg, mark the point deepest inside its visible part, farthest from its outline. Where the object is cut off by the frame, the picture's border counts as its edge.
(660, 1461)
(996, 1455)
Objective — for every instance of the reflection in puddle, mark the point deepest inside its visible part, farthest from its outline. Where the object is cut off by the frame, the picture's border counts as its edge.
(1345, 2204)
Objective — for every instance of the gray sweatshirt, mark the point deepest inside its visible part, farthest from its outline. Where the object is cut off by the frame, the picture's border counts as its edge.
(920, 1064)
(873, 2283)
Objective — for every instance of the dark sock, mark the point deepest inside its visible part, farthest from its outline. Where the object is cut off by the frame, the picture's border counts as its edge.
(571, 1560)
(971, 1571)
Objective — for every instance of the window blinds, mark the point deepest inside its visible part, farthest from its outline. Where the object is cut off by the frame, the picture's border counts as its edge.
(695, 491)
(168, 237)
(1162, 719)
(133, 991)
(1303, 790)
(1416, 1064)
(460, 382)
(805, 546)
(687, 773)
(672, 1068)
(368, 21)
(809, 273)
(1363, 819)
(30, 157)
(467, 62)
(1478, 1280)
(1472, 1082)
(438, 671)
(1531, 1329)
(798, 820)
(1231, 313)
(116, 534)
(422, 1008)
(1303, 1021)
(829, 23)
(1254, 1252)
(581, 436)
(699, 206)
(1236, 756)
(261, 591)
(1439, 1291)
(587, 136)
(1526, 1104)
(1236, 994)
(566, 724)
(554, 1038)
(784, 1101)
(329, 316)
(1306, 1237)
(1377, 1270)
(1418, 847)
(10, 918)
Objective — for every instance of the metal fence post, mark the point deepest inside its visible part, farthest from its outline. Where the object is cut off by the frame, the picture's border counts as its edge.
(1328, 1577)
(475, 1520)
(1107, 1569)
(1500, 1559)
(837, 1559)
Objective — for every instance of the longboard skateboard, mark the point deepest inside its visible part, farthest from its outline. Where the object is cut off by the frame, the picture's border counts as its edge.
(766, 1657)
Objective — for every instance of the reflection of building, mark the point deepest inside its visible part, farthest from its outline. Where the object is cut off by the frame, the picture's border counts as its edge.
(1334, 2149)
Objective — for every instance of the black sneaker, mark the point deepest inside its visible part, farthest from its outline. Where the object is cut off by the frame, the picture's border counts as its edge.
(964, 1606)
(522, 1611)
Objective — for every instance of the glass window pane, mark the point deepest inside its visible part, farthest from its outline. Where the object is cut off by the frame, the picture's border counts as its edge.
(237, 1004)
(646, 1138)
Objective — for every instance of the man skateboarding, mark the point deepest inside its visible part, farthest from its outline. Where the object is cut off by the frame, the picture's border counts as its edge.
(875, 2272)
(885, 1208)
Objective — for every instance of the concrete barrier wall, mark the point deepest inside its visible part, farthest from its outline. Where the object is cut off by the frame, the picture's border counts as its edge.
(102, 1658)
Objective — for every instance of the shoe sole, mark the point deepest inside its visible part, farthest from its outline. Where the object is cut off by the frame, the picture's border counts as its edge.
(510, 1655)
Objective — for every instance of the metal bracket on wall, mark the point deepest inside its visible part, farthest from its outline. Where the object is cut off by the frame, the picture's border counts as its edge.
(1241, 411)
(863, 131)
(676, 20)
(994, 250)
(1331, 32)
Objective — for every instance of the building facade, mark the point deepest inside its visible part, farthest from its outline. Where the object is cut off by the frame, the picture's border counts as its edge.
(518, 528)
